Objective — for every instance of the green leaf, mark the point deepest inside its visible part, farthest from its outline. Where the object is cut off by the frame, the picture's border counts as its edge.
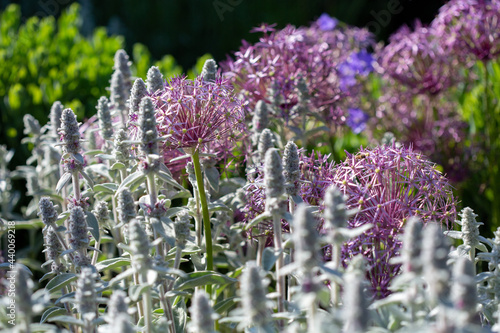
(106, 188)
(203, 278)
(268, 259)
(94, 225)
(68, 320)
(60, 281)
(259, 218)
(213, 177)
(118, 166)
(65, 178)
(218, 206)
(132, 179)
(50, 312)
(168, 179)
(225, 304)
(180, 316)
(137, 290)
(111, 263)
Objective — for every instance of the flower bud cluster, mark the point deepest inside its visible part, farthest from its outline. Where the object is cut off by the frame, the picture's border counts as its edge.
(182, 227)
(55, 118)
(148, 134)
(125, 206)
(138, 92)
(85, 295)
(47, 211)
(70, 135)
(201, 314)
(209, 71)
(291, 168)
(139, 245)
(253, 296)
(105, 121)
(273, 180)
(154, 80)
(78, 229)
(260, 120)
(266, 142)
(121, 149)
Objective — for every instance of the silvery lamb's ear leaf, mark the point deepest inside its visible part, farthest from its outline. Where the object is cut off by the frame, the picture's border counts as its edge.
(89, 180)
(168, 179)
(93, 225)
(60, 281)
(213, 177)
(65, 178)
(454, 234)
(68, 320)
(51, 312)
(203, 278)
(111, 263)
(269, 258)
(118, 166)
(106, 188)
(259, 218)
(131, 179)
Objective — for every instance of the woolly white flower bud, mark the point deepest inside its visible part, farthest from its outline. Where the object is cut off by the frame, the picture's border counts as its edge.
(121, 149)
(85, 294)
(435, 254)
(47, 211)
(154, 80)
(209, 70)
(266, 142)
(101, 212)
(138, 92)
(31, 125)
(55, 118)
(117, 305)
(253, 296)
(69, 132)
(412, 246)
(260, 120)
(148, 134)
(182, 228)
(291, 168)
(273, 175)
(355, 309)
(119, 92)
(305, 238)
(470, 227)
(78, 229)
(104, 115)
(125, 206)
(53, 247)
(201, 314)
(121, 323)
(463, 291)
(122, 64)
(139, 244)
(335, 213)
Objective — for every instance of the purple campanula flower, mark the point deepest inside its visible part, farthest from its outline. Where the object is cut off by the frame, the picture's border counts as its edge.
(326, 22)
(357, 120)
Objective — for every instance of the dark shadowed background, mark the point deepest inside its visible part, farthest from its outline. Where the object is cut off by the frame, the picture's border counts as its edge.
(189, 28)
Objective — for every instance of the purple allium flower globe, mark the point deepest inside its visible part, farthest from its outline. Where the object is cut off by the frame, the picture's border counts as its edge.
(196, 113)
(471, 28)
(419, 60)
(387, 185)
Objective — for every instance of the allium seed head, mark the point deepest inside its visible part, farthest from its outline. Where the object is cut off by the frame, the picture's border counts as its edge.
(196, 113)
(387, 185)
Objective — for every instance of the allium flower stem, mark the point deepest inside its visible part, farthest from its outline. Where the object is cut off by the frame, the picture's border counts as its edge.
(206, 216)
